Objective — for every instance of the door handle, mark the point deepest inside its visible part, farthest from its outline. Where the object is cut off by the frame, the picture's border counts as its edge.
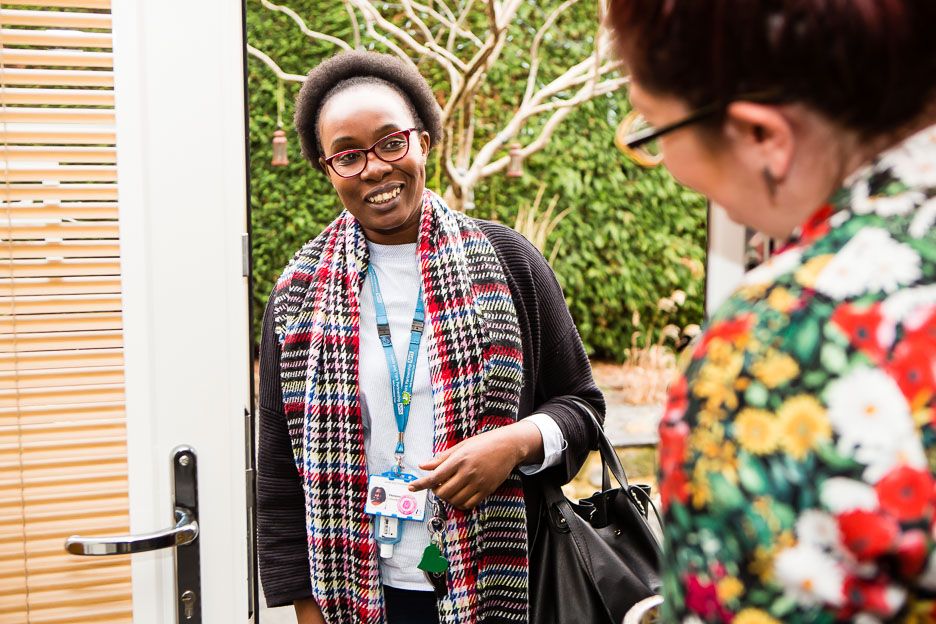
(184, 532)
(183, 538)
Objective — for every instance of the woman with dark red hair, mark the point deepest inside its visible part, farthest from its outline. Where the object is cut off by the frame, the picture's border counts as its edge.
(798, 448)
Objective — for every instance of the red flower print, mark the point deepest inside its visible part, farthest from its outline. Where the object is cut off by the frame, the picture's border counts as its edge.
(911, 552)
(862, 328)
(818, 224)
(920, 328)
(677, 400)
(912, 368)
(905, 492)
(673, 486)
(871, 596)
(702, 598)
(730, 330)
(673, 446)
(868, 534)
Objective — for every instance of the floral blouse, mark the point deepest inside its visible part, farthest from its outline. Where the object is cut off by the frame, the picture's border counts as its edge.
(798, 450)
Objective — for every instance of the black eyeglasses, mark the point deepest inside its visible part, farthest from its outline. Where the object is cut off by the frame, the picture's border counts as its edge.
(639, 140)
(390, 148)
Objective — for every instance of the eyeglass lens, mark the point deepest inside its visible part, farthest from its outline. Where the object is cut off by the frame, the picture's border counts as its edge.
(389, 149)
(647, 154)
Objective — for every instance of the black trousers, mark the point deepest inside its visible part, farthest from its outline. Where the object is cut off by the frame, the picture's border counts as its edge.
(410, 607)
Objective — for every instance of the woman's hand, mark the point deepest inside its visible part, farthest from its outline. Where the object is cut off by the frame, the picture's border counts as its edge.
(308, 612)
(467, 473)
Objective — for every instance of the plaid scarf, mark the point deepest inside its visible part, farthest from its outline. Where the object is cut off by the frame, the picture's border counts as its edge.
(476, 370)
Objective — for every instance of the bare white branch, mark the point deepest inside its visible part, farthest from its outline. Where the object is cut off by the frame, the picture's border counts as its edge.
(354, 24)
(448, 60)
(272, 65)
(534, 49)
(314, 34)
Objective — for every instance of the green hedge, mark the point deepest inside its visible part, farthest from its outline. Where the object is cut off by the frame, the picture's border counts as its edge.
(627, 240)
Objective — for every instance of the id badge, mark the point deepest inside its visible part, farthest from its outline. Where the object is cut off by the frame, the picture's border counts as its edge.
(388, 495)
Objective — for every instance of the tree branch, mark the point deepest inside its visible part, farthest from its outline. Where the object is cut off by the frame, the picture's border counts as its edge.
(272, 65)
(354, 24)
(302, 25)
(534, 49)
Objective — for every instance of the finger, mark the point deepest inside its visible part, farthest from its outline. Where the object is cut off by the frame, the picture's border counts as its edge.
(437, 459)
(437, 477)
(474, 501)
(457, 494)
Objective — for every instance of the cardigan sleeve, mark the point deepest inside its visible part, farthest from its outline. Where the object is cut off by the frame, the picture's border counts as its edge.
(281, 530)
(556, 368)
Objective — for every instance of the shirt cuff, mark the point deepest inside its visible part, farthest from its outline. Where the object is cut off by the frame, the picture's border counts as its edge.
(554, 445)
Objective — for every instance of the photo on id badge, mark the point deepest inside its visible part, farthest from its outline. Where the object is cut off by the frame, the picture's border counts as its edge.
(390, 496)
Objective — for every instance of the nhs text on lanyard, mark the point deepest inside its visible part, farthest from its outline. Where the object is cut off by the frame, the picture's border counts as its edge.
(388, 498)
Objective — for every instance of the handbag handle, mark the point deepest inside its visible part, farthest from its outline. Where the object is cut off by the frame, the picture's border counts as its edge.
(609, 459)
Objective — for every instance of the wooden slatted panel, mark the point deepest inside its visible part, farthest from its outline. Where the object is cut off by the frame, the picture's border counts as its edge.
(63, 452)
(55, 19)
(55, 38)
(57, 77)
(71, 4)
(59, 97)
(62, 58)
(60, 154)
(59, 115)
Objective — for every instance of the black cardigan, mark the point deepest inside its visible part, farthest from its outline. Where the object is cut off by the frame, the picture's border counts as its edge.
(554, 367)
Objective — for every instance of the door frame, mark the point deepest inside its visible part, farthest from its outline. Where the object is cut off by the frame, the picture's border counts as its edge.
(181, 147)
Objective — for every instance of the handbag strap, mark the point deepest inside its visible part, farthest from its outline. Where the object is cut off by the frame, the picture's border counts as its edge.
(609, 459)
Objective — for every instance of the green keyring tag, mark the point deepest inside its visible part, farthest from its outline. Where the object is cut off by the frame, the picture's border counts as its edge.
(433, 561)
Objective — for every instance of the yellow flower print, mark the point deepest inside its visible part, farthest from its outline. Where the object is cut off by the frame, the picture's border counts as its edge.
(699, 488)
(756, 431)
(728, 589)
(762, 563)
(754, 616)
(808, 273)
(775, 370)
(781, 300)
(803, 424)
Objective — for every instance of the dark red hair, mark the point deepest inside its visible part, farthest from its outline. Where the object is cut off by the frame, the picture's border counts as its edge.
(868, 64)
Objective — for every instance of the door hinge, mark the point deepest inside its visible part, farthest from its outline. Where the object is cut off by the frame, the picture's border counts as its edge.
(245, 255)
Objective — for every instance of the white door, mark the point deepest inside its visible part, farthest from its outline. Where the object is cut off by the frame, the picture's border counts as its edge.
(179, 81)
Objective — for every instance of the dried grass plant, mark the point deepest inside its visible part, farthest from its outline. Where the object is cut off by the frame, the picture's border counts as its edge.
(537, 227)
(651, 366)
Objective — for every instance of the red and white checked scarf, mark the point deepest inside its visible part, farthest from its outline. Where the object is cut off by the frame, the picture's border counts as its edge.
(476, 370)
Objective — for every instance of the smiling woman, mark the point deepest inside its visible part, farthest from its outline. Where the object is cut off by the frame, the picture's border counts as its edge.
(492, 369)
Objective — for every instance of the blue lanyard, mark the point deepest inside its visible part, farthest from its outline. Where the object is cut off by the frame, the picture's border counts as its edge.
(402, 391)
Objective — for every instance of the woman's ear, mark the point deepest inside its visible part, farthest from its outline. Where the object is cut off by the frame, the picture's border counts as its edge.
(424, 144)
(762, 136)
(325, 168)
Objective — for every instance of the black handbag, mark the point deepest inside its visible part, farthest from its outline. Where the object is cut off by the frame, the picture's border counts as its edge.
(592, 560)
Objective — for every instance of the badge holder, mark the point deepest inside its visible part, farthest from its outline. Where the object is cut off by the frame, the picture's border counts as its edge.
(389, 501)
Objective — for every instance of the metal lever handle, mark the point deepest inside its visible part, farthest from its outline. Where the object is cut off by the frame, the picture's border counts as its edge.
(184, 532)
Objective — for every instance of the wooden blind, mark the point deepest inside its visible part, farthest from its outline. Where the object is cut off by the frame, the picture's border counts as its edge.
(63, 452)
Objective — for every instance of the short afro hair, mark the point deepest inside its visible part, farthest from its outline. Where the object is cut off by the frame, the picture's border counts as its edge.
(349, 69)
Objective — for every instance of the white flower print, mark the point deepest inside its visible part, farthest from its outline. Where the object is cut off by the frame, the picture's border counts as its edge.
(775, 267)
(914, 162)
(867, 408)
(881, 458)
(818, 529)
(871, 261)
(927, 580)
(809, 576)
(841, 494)
(883, 205)
(924, 219)
(904, 303)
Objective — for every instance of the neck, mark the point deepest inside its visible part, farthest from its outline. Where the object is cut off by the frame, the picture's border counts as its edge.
(402, 237)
